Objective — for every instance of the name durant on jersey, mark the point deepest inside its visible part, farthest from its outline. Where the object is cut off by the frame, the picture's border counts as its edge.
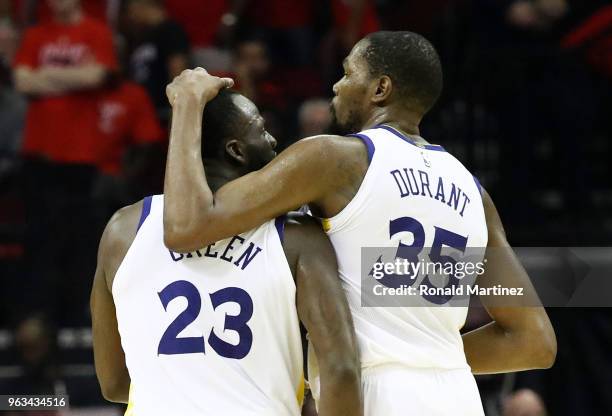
(419, 184)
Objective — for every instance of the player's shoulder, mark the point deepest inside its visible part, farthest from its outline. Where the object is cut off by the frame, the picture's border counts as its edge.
(330, 143)
(303, 233)
(117, 238)
(301, 229)
(121, 229)
(332, 156)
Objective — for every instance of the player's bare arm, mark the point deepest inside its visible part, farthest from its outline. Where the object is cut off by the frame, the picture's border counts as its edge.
(109, 358)
(323, 309)
(520, 337)
(320, 171)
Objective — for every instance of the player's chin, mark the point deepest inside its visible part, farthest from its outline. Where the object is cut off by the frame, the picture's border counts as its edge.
(333, 106)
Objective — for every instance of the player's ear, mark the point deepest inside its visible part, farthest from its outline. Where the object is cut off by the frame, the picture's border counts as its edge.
(383, 86)
(235, 152)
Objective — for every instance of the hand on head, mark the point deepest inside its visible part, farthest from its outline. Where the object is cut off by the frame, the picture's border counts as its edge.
(196, 85)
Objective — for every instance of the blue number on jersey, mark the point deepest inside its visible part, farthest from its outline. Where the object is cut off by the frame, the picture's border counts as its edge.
(237, 323)
(171, 344)
(442, 237)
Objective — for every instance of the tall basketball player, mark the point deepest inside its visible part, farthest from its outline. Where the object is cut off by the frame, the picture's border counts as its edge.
(382, 187)
(216, 330)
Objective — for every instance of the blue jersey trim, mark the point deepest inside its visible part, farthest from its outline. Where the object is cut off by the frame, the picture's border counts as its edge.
(279, 223)
(146, 210)
(369, 144)
(434, 147)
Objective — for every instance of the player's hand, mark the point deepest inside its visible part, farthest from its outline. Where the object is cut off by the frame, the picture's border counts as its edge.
(196, 84)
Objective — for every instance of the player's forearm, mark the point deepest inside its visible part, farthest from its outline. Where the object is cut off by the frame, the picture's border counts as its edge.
(187, 197)
(340, 389)
(493, 349)
(109, 358)
(117, 391)
(75, 78)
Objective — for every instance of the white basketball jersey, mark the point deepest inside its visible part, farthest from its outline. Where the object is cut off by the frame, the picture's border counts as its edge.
(211, 332)
(418, 196)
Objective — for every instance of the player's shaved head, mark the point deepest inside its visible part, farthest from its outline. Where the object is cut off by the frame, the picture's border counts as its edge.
(222, 120)
(410, 61)
(233, 131)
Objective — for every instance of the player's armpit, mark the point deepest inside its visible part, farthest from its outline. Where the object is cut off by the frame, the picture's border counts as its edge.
(324, 311)
(521, 336)
(109, 357)
(194, 216)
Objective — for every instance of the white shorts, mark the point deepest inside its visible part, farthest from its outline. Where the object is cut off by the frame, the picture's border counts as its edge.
(392, 390)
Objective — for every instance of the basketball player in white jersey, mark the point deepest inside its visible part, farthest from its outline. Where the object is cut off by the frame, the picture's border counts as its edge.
(216, 331)
(382, 187)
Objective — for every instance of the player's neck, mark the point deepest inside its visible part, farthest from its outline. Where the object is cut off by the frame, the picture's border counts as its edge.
(218, 174)
(404, 120)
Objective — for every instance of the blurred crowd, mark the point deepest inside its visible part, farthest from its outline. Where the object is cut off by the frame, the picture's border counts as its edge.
(84, 118)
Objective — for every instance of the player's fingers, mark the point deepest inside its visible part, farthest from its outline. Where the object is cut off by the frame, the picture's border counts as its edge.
(200, 69)
(171, 94)
(227, 83)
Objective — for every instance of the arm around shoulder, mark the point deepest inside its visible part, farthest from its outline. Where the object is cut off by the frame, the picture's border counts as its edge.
(195, 216)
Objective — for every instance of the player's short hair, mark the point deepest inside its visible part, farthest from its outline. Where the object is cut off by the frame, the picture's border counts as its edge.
(221, 122)
(410, 61)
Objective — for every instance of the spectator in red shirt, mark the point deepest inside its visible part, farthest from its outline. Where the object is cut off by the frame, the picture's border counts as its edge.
(60, 66)
(130, 145)
(126, 117)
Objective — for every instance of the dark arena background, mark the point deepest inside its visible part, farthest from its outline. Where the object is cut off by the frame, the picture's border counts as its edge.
(526, 106)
